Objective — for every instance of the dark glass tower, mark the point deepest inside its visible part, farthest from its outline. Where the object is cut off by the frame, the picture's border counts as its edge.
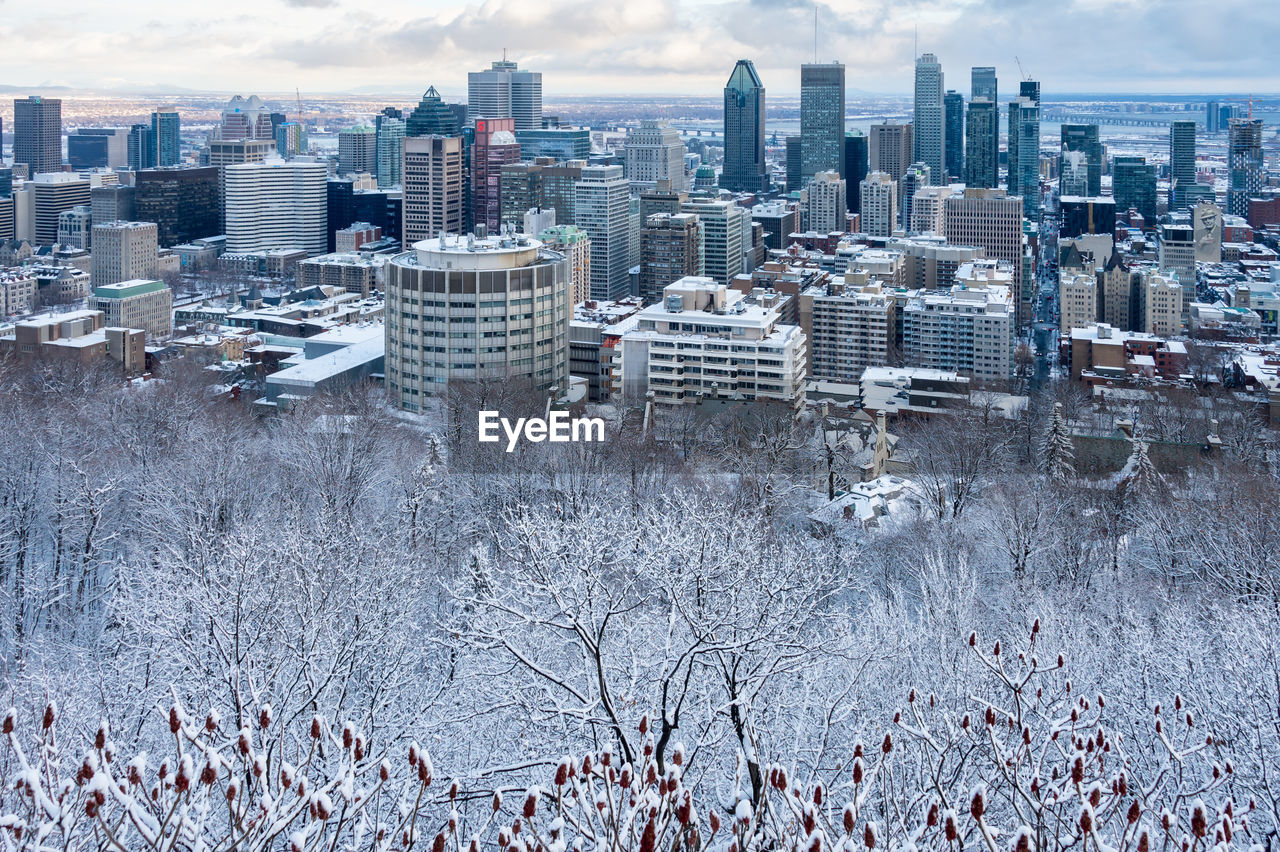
(141, 146)
(744, 164)
(821, 120)
(1084, 138)
(431, 117)
(982, 135)
(1182, 162)
(953, 107)
(795, 164)
(983, 84)
(37, 134)
(856, 160)
(1134, 186)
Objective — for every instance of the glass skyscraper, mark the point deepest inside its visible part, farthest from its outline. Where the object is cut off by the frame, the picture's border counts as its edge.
(856, 162)
(165, 130)
(982, 139)
(1182, 162)
(1083, 138)
(953, 108)
(1133, 183)
(821, 120)
(930, 119)
(744, 165)
(1244, 163)
(1024, 147)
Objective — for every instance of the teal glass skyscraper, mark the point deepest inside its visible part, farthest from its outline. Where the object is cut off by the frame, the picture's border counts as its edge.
(930, 119)
(982, 140)
(1024, 147)
(744, 164)
(431, 117)
(953, 109)
(165, 128)
(1133, 183)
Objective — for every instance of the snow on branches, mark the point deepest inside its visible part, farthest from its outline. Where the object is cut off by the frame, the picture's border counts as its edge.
(1029, 765)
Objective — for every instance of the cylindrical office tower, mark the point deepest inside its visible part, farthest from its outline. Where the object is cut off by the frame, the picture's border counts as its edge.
(476, 309)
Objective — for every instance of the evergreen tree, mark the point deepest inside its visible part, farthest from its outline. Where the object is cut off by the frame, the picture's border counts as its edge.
(1057, 458)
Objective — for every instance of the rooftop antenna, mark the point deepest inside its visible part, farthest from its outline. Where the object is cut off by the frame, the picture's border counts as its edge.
(298, 92)
(815, 33)
(915, 43)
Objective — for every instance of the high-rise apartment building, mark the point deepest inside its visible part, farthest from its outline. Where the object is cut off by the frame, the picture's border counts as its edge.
(1077, 300)
(521, 191)
(123, 251)
(780, 220)
(183, 202)
(723, 228)
(1182, 162)
(291, 139)
(982, 144)
(879, 194)
(140, 148)
(390, 152)
(495, 146)
(916, 176)
(276, 205)
(703, 340)
(856, 166)
(51, 194)
(953, 123)
(1177, 255)
(992, 219)
(433, 187)
(1244, 163)
(852, 328)
(983, 84)
(670, 249)
(1083, 139)
(930, 139)
(476, 309)
(504, 91)
(745, 169)
(1024, 147)
(357, 150)
(929, 210)
(1164, 310)
(821, 119)
(828, 205)
(602, 209)
(964, 329)
(166, 130)
(655, 152)
(891, 149)
(37, 134)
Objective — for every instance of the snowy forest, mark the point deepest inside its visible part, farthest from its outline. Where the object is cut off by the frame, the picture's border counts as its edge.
(346, 629)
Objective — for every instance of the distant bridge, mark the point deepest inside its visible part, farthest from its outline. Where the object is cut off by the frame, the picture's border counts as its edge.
(1114, 120)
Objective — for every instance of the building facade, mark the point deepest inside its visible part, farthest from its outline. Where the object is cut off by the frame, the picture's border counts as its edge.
(37, 134)
(670, 249)
(930, 142)
(433, 187)
(602, 209)
(821, 119)
(466, 309)
(655, 152)
(276, 205)
(504, 91)
(745, 169)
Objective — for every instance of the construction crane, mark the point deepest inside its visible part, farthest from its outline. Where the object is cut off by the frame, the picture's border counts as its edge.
(1021, 70)
(298, 92)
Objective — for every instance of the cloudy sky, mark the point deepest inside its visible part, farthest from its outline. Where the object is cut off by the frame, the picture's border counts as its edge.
(636, 46)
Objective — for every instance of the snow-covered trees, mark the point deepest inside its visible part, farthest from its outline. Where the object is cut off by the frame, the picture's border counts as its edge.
(506, 611)
(1026, 763)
